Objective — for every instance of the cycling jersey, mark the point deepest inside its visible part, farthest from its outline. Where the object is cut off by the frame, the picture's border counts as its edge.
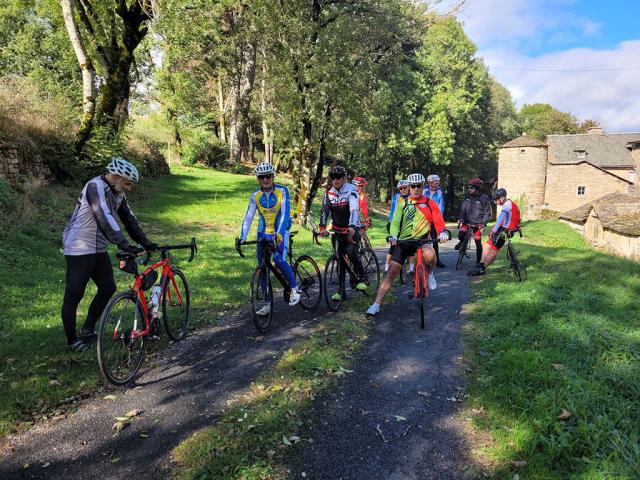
(414, 217)
(343, 206)
(275, 212)
(436, 196)
(363, 207)
(394, 202)
(93, 225)
(509, 217)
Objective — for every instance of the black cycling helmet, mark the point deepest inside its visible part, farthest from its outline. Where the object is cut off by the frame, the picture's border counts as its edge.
(501, 192)
(337, 172)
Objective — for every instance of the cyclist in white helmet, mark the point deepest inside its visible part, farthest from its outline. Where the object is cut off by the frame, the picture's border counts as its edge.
(273, 203)
(92, 227)
(402, 193)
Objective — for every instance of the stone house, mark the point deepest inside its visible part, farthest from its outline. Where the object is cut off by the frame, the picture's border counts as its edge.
(568, 170)
(611, 222)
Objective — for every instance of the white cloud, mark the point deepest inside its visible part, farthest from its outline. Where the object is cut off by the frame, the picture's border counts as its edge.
(506, 30)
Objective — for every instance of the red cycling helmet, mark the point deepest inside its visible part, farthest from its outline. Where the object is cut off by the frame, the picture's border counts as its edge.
(476, 182)
(357, 181)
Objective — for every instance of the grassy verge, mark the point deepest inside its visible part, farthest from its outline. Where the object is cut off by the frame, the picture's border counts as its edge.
(556, 360)
(260, 427)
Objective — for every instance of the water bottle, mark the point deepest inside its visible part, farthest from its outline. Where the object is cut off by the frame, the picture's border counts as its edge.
(155, 300)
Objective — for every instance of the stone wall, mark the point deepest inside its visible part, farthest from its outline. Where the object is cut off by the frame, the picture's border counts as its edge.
(563, 182)
(13, 165)
(522, 172)
(614, 242)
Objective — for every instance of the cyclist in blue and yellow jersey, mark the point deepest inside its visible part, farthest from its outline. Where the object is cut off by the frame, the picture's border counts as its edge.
(273, 203)
(413, 219)
(403, 192)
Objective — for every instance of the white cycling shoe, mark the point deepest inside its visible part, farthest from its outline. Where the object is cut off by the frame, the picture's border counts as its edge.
(294, 297)
(264, 311)
(431, 282)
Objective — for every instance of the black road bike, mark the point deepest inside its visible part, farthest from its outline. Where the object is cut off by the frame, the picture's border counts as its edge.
(512, 254)
(464, 245)
(307, 275)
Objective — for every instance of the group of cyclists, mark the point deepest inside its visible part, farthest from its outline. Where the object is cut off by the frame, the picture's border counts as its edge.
(416, 213)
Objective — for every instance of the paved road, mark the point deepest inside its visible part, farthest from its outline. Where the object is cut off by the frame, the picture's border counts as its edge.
(394, 417)
(401, 371)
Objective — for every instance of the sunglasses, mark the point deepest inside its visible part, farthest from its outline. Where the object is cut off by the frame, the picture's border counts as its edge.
(416, 185)
(265, 177)
(334, 176)
(472, 187)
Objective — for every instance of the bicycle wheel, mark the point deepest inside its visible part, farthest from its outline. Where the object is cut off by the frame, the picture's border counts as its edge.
(309, 282)
(371, 267)
(405, 274)
(463, 251)
(176, 305)
(119, 354)
(513, 261)
(261, 299)
(366, 243)
(333, 287)
(422, 292)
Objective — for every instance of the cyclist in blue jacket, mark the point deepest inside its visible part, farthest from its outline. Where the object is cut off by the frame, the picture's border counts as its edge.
(434, 192)
(403, 192)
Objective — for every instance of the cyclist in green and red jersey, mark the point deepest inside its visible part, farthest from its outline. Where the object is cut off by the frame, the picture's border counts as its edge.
(413, 219)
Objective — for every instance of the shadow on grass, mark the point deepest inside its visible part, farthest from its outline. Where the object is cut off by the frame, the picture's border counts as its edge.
(568, 337)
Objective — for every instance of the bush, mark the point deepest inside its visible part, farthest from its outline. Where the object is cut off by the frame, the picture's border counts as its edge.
(206, 149)
(147, 155)
(6, 196)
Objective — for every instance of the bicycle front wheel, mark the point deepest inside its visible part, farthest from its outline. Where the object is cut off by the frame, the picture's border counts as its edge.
(176, 304)
(421, 274)
(309, 282)
(333, 286)
(119, 353)
(371, 268)
(513, 261)
(261, 299)
(463, 251)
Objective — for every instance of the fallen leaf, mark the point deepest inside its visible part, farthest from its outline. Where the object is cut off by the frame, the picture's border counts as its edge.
(133, 413)
(564, 415)
(119, 426)
(109, 397)
(558, 366)
(25, 466)
(45, 465)
(518, 463)
(423, 394)
(364, 412)
(144, 435)
(122, 419)
(286, 441)
(294, 439)
(115, 459)
(400, 418)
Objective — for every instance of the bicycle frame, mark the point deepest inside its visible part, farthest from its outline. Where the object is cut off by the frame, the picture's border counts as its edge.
(267, 251)
(336, 253)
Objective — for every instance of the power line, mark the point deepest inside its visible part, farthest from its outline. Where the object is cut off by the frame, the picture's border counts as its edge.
(586, 69)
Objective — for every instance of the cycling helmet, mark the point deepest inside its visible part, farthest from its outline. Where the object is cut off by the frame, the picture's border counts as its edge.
(119, 166)
(357, 181)
(415, 178)
(476, 182)
(433, 178)
(402, 183)
(337, 172)
(501, 192)
(264, 169)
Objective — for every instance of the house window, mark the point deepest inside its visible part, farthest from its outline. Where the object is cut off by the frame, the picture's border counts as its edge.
(582, 190)
(522, 151)
(581, 155)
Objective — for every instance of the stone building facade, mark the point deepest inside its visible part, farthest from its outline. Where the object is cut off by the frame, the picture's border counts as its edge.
(568, 170)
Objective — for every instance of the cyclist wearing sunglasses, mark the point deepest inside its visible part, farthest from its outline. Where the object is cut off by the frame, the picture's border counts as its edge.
(91, 229)
(474, 215)
(403, 192)
(412, 220)
(341, 201)
(273, 203)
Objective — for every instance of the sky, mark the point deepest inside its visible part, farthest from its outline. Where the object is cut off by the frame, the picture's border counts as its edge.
(581, 56)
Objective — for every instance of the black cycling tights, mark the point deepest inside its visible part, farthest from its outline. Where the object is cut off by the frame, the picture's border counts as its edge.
(81, 268)
(351, 250)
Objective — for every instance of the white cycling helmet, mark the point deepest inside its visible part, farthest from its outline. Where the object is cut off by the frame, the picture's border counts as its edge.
(264, 169)
(127, 170)
(402, 183)
(415, 178)
(433, 178)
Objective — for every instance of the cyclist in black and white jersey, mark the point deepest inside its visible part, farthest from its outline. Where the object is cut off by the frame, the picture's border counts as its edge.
(92, 227)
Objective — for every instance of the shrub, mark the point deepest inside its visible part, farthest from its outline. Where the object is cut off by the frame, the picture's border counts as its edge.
(206, 149)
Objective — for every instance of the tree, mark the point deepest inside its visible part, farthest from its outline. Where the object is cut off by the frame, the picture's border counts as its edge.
(541, 119)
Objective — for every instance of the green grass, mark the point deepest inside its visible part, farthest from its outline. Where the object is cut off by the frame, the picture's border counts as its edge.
(36, 372)
(259, 428)
(568, 337)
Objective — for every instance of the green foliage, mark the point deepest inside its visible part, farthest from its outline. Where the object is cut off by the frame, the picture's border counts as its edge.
(205, 149)
(7, 198)
(541, 119)
(564, 338)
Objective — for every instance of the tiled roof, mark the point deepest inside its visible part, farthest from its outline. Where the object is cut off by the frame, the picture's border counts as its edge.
(602, 150)
(524, 141)
(619, 212)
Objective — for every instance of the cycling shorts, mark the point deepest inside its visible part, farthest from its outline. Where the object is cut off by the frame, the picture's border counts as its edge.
(403, 251)
(496, 241)
(477, 232)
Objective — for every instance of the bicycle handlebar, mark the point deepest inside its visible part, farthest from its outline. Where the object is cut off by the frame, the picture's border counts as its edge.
(192, 245)
(241, 243)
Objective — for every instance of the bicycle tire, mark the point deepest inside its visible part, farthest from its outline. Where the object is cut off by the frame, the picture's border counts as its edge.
(309, 282)
(513, 260)
(115, 373)
(183, 302)
(371, 267)
(366, 243)
(261, 297)
(421, 274)
(333, 283)
(463, 251)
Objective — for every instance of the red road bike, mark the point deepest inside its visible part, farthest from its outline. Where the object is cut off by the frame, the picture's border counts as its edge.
(129, 319)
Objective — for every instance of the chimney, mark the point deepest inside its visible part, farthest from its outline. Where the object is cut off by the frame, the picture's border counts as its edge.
(594, 131)
(635, 155)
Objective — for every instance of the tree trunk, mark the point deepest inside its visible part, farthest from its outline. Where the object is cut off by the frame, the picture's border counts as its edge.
(241, 103)
(391, 182)
(450, 193)
(88, 75)
(267, 134)
(113, 106)
(222, 129)
(173, 121)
